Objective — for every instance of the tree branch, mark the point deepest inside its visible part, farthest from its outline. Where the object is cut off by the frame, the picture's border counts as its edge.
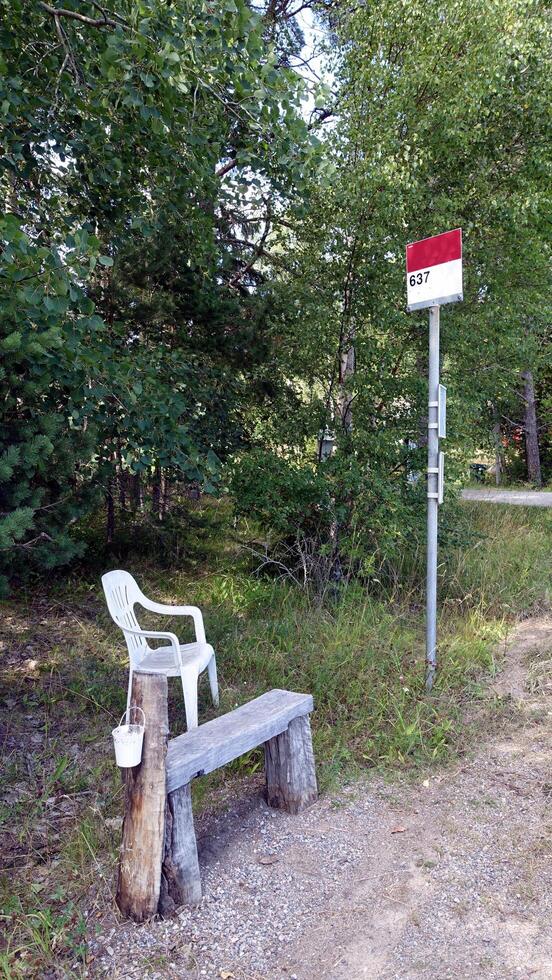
(56, 12)
(258, 252)
(319, 116)
(226, 167)
(28, 544)
(69, 56)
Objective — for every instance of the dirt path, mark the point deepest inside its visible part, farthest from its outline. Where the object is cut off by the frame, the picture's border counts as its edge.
(523, 498)
(446, 877)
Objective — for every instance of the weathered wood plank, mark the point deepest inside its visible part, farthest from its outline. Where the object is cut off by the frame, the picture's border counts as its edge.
(180, 880)
(289, 767)
(139, 880)
(220, 741)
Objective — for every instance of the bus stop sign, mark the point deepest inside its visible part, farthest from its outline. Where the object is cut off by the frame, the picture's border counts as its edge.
(434, 270)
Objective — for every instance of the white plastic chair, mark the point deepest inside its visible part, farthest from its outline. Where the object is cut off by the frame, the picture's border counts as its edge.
(184, 660)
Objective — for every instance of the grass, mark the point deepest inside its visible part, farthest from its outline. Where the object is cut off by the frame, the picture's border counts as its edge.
(506, 567)
(362, 657)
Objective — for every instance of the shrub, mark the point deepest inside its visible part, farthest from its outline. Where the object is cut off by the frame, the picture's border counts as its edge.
(327, 522)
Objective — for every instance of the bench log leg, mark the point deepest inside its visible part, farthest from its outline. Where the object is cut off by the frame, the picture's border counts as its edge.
(180, 880)
(139, 880)
(289, 767)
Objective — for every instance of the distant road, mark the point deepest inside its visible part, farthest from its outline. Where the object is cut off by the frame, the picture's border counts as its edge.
(524, 498)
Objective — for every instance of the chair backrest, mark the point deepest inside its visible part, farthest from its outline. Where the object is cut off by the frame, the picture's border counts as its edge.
(122, 593)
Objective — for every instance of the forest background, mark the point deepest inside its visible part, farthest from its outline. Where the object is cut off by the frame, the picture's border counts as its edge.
(202, 268)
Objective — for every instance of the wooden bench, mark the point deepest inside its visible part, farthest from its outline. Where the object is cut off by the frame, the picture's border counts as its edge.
(159, 867)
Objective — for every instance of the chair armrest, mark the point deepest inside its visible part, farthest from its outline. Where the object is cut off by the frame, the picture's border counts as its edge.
(156, 635)
(163, 610)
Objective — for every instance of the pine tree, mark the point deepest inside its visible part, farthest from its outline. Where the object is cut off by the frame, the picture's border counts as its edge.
(43, 456)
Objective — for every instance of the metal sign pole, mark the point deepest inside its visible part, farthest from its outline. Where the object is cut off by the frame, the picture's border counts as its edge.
(432, 495)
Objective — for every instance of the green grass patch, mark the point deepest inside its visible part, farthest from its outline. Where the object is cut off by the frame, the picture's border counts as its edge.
(504, 566)
(361, 658)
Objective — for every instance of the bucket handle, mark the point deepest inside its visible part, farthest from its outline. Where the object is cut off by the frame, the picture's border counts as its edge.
(126, 714)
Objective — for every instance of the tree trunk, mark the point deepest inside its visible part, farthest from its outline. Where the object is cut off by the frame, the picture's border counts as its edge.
(110, 513)
(161, 496)
(499, 457)
(156, 492)
(136, 492)
(532, 451)
(121, 477)
(347, 352)
(122, 489)
(344, 399)
(166, 499)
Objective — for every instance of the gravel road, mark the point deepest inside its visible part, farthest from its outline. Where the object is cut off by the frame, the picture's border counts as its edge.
(445, 876)
(523, 498)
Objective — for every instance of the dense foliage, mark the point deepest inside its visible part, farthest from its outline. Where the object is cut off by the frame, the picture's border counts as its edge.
(443, 122)
(202, 261)
(140, 147)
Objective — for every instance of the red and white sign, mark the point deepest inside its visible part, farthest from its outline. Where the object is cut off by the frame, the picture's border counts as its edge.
(434, 270)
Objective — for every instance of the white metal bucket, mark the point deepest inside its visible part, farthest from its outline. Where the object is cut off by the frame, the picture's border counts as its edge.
(128, 740)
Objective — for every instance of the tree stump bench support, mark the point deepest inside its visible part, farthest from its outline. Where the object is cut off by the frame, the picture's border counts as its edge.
(159, 868)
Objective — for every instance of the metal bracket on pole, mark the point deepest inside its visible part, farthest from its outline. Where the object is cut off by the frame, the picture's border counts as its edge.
(442, 412)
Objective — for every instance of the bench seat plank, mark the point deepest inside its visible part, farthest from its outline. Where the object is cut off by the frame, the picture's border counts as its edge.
(217, 742)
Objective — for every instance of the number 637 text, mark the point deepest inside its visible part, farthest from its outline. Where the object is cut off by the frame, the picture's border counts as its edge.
(417, 278)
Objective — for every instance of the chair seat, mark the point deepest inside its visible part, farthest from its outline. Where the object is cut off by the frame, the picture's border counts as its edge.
(163, 660)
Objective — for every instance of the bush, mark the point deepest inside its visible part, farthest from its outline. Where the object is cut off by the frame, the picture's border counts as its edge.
(328, 522)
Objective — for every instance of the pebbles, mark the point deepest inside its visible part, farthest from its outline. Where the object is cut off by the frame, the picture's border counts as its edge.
(263, 882)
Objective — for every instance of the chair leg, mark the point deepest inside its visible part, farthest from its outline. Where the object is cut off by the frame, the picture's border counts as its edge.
(213, 682)
(129, 695)
(189, 689)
